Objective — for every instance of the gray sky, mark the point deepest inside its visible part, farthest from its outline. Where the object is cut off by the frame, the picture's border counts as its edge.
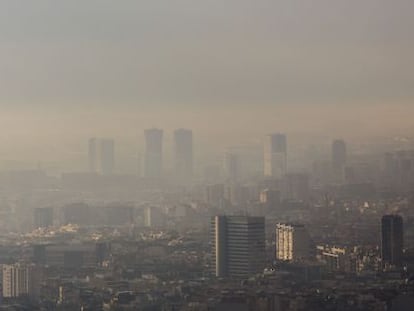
(88, 67)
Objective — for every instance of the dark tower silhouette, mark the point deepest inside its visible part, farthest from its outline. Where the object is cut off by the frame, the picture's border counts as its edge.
(238, 245)
(392, 239)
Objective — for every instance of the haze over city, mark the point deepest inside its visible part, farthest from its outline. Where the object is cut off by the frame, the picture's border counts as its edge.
(207, 155)
(75, 69)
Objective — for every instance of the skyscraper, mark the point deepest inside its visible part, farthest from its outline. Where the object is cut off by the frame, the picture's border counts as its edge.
(92, 154)
(238, 245)
(102, 159)
(338, 159)
(392, 239)
(153, 153)
(183, 150)
(275, 156)
(107, 156)
(293, 242)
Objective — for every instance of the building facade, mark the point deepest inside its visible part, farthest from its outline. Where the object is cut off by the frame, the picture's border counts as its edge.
(238, 246)
(293, 242)
(20, 280)
(392, 242)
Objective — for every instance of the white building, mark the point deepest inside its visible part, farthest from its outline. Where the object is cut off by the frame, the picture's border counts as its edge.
(293, 242)
(20, 280)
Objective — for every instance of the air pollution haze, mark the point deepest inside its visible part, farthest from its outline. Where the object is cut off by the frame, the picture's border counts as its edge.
(203, 155)
(226, 69)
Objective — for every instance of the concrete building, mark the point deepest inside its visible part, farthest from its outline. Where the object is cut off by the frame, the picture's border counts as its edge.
(20, 280)
(238, 246)
(337, 259)
(293, 242)
(275, 156)
(183, 151)
(392, 242)
(70, 256)
(153, 165)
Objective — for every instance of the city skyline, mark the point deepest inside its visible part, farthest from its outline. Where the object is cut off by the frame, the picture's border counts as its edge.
(273, 65)
(207, 155)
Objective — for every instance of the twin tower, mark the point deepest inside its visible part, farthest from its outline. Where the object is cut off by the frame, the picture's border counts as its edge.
(101, 154)
(183, 153)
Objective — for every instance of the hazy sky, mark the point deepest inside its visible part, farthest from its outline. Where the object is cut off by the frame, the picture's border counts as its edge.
(113, 67)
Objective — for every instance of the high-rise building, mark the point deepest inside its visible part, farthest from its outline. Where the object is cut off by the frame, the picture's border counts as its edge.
(20, 280)
(153, 153)
(92, 155)
(231, 167)
(392, 239)
(339, 159)
(238, 245)
(101, 154)
(275, 156)
(293, 242)
(107, 156)
(183, 150)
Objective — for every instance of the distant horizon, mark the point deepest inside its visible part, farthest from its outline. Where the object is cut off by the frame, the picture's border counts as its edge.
(231, 71)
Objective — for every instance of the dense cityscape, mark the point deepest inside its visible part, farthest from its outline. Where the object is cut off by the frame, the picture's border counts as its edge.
(206, 155)
(336, 235)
